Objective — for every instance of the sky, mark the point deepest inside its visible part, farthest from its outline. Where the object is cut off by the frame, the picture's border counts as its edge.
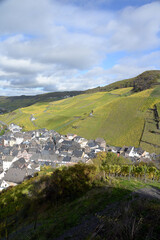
(65, 45)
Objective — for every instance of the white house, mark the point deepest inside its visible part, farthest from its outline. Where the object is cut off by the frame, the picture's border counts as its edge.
(2, 175)
(7, 162)
(132, 152)
(14, 128)
(4, 185)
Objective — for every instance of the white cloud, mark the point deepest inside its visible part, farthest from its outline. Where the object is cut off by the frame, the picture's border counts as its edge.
(46, 45)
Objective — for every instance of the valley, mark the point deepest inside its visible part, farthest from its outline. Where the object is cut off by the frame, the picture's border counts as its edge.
(118, 116)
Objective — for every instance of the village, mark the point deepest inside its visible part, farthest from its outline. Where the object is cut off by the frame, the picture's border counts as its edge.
(22, 154)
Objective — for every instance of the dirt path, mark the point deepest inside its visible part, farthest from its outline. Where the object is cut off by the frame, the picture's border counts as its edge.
(152, 192)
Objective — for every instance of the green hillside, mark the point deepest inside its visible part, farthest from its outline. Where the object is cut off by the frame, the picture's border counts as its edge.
(141, 82)
(11, 103)
(120, 117)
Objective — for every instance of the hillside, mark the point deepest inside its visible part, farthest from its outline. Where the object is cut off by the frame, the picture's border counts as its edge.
(120, 117)
(139, 83)
(78, 203)
(11, 103)
(143, 81)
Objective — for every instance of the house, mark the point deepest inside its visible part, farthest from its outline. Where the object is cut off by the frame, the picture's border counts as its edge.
(32, 118)
(20, 163)
(32, 150)
(3, 184)
(78, 153)
(70, 136)
(7, 162)
(15, 176)
(123, 150)
(14, 128)
(78, 139)
(75, 159)
(138, 152)
(49, 146)
(6, 151)
(83, 143)
(14, 152)
(92, 144)
(24, 154)
(101, 142)
(87, 149)
(2, 174)
(66, 159)
(6, 141)
(91, 155)
(130, 152)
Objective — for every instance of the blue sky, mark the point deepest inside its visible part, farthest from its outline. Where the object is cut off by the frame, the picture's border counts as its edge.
(51, 45)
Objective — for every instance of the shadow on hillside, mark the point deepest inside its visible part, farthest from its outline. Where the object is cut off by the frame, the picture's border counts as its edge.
(99, 210)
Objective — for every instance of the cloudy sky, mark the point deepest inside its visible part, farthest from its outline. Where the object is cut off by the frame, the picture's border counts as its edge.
(58, 45)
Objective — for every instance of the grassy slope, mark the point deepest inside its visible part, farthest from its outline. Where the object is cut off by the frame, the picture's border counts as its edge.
(141, 82)
(53, 220)
(116, 117)
(12, 103)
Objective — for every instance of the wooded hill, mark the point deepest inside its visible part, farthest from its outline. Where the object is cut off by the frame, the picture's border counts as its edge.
(8, 104)
(143, 81)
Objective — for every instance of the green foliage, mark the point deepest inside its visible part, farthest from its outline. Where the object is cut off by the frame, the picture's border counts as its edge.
(2, 132)
(56, 199)
(113, 165)
(145, 80)
(68, 183)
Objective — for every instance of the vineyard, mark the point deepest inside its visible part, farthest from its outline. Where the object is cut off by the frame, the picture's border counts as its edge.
(117, 116)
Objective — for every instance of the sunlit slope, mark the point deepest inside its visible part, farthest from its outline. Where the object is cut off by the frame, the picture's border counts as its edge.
(116, 117)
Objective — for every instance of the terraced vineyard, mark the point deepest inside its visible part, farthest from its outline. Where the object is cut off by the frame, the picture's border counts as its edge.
(117, 116)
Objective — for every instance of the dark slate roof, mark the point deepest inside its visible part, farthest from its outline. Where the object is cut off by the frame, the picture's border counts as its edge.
(92, 155)
(67, 159)
(6, 151)
(1, 148)
(20, 163)
(32, 150)
(64, 148)
(129, 149)
(92, 143)
(48, 146)
(139, 151)
(68, 143)
(77, 138)
(77, 153)
(15, 153)
(15, 175)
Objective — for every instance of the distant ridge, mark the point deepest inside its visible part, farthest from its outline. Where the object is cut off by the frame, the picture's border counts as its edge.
(142, 82)
(139, 83)
(8, 104)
